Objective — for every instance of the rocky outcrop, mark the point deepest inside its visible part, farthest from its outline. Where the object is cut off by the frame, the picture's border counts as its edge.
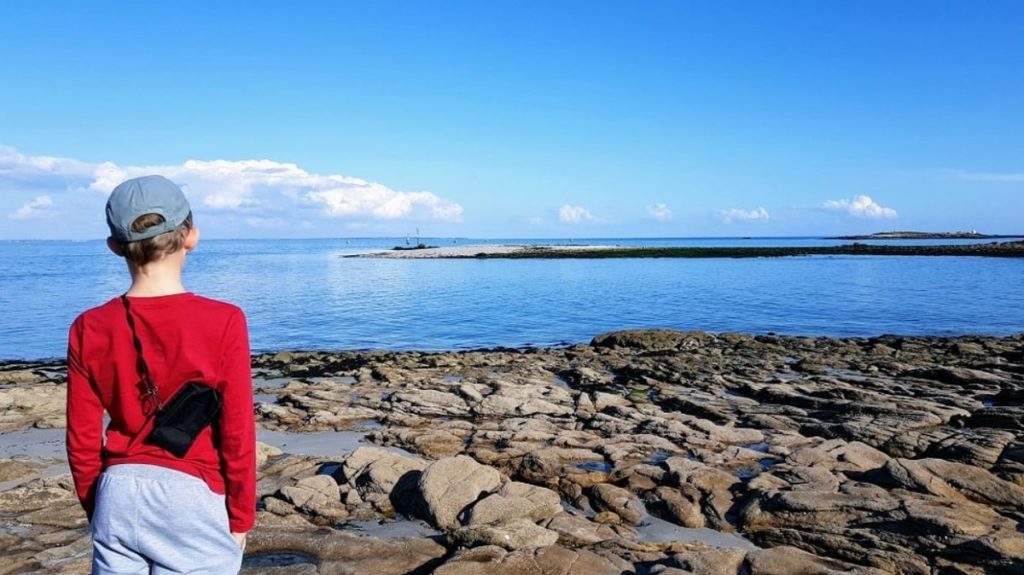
(864, 455)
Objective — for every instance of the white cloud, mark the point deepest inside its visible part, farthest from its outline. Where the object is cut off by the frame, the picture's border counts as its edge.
(574, 214)
(260, 191)
(38, 208)
(17, 167)
(735, 215)
(659, 212)
(860, 207)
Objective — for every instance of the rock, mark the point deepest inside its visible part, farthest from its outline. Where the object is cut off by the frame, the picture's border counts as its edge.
(552, 560)
(607, 497)
(711, 561)
(952, 480)
(37, 404)
(511, 534)
(1002, 417)
(333, 552)
(516, 500)
(12, 470)
(801, 478)
(792, 561)
(678, 506)
(526, 399)
(265, 452)
(550, 465)
(958, 375)
(652, 339)
(839, 525)
(429, 403)
(450, 485)
(980, 447)
(602, 401)
(375, 472)
(318, 495)
(713, 486)
(577, 531)
(857, 456)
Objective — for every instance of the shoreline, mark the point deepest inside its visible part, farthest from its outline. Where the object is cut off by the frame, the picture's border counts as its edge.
(994, 249)
(639, 448)
(52, 366)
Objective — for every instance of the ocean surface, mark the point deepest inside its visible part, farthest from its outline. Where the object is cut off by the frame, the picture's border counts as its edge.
(303, 294)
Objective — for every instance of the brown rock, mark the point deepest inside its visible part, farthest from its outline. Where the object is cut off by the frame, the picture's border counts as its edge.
(552, 560)
(450, 485)
(511, 534)
(607, 497)
(792, 561)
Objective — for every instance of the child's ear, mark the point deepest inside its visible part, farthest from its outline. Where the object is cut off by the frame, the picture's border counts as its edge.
(191, 239)
(115, 246)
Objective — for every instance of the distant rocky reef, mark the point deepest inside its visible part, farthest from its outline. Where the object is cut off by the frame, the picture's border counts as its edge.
(971, 235)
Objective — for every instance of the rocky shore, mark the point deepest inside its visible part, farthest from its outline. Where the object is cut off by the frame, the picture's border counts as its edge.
(651, 452)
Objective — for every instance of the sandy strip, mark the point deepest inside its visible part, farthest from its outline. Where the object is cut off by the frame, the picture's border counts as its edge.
(473, 250)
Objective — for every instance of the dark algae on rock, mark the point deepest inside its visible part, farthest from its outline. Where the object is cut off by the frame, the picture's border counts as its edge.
(643, 452)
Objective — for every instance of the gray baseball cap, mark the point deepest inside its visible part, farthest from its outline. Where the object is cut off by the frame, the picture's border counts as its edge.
(141, 196)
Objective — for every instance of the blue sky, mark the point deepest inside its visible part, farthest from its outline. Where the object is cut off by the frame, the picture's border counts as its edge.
(517, 118)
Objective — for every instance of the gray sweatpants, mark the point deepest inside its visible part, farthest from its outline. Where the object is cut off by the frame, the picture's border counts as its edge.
(154, 520)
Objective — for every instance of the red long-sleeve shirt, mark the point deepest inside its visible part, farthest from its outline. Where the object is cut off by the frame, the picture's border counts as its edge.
(185, 338)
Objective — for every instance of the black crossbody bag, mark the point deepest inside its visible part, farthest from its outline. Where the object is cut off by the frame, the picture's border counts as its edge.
(178, 423)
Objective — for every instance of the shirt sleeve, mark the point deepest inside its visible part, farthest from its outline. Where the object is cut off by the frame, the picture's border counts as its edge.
(237, 433)
(84, 436)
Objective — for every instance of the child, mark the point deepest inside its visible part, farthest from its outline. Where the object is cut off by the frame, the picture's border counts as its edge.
(153, 512)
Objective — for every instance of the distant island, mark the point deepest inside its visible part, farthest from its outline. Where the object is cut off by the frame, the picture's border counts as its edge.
(1013, 249)
(971, 235)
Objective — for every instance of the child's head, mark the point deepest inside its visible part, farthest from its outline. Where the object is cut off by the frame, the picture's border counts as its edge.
(149, 218)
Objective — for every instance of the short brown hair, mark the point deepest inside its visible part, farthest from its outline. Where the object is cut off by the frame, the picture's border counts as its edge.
(149, 250)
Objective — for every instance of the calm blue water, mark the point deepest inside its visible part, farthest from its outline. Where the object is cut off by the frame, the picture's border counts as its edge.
(303, 294)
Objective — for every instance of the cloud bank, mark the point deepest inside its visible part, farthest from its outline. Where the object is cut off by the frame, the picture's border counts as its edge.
(260, 192)
(860, 207)
(736, 215)
(574, 214)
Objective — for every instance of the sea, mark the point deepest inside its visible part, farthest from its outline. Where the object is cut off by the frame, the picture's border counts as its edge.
(307, 294)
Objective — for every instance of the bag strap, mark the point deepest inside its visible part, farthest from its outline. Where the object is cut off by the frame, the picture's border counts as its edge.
(140, 363)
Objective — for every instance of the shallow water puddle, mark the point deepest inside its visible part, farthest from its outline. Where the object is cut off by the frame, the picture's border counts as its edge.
(658, 457)
(659, 530)
(316, 443)
(601, 466)
(345, 379)
(277, 560)
(401, 529)
(748, 473)
(323, 443)
(34, 443)
(272, 382)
